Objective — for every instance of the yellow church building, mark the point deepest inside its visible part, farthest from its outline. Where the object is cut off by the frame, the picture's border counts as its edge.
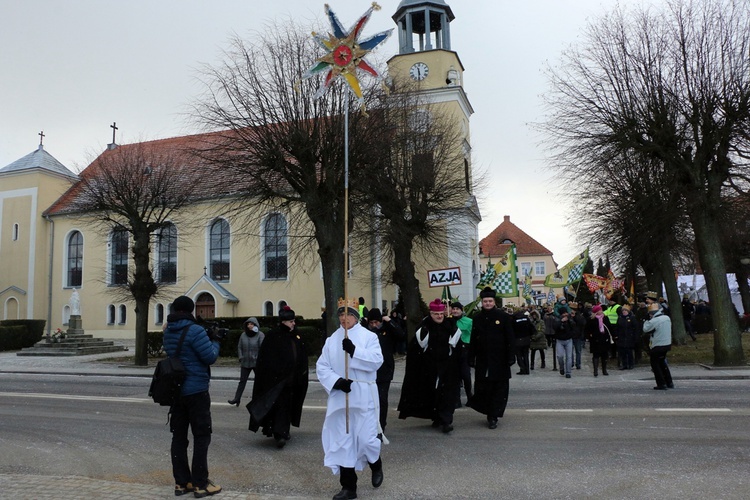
(48, 249)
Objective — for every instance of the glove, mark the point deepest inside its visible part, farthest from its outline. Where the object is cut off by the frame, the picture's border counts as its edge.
(348, 346)
(343, 385)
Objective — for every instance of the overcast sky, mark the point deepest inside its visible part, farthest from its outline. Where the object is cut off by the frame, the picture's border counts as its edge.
(72, 67)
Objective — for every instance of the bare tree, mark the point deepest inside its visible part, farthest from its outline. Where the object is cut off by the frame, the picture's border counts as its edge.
(417, 184)
(282, 142)
(137, 189)
(673, 86)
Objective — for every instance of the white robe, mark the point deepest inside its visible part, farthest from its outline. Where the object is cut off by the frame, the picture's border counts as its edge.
(361, 445)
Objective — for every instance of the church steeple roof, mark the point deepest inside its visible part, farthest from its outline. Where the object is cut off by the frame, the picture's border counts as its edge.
(38, 159)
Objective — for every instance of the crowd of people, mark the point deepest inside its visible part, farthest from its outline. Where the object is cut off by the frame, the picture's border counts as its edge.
(356, 368)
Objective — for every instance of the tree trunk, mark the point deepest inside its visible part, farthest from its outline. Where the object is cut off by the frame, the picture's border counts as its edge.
(405, 278)
(330, 238)
(142, 288)
(679, 335)
(727, 339)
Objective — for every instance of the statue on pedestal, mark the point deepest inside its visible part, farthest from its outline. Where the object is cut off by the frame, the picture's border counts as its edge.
(75, 303)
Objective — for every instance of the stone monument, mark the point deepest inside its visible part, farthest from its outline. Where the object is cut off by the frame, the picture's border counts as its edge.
(75, 324)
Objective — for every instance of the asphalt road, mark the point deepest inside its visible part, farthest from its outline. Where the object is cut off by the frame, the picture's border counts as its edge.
(580, 438)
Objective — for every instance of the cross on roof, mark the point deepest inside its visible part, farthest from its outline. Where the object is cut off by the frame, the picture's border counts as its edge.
(41, 137)
(114, 128)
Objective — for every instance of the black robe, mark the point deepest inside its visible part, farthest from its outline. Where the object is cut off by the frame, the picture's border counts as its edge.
(492, 348)
(281, 371)
(431, 375)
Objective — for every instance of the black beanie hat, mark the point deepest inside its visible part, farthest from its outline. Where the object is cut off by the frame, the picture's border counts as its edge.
(458, 305)
(374, 314)
(183, 304)
(286, 314)
(487, 293)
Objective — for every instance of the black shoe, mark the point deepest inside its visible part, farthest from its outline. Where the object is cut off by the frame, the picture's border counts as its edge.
(377, 478)
(660, 388)
(562, 372)
(492, 424)
(531, 367)
(604, 372)
(447, 428)
(345, 494)
(235, 402)
(436, 423)
(567, 375)
(578, 367)
(670, 386)
(280, 440)
(544, 366)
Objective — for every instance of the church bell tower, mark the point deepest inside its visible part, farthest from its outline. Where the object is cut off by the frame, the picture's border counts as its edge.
(427, 64)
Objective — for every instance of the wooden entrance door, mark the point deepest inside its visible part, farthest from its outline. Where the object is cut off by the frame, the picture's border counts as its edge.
(205, 307)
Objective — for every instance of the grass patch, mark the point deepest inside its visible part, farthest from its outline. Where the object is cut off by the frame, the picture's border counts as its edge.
(701, 351)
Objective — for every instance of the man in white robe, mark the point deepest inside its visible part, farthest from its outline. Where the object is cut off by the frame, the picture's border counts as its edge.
(346, 453)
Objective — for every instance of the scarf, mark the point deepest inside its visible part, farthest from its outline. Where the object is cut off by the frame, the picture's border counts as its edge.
(600, 317)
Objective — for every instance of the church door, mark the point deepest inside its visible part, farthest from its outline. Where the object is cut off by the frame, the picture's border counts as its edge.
(205, 307)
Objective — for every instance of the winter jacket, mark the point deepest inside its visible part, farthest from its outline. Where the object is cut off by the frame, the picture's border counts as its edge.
(627, 331)
(248, 348)
(661, 326)
(197, 354)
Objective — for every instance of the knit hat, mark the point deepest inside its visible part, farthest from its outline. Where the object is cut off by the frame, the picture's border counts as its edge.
(252, 320)
(437, 306)
(596, 309)
(457, 305)
(374, 314)
(286, 314)
(487, 293)
(183, 304)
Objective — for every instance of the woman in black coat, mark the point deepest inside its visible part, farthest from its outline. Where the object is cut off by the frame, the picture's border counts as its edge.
(598, 331)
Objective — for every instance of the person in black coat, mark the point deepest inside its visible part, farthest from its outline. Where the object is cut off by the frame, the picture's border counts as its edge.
(523, 329)
(627, 332)
(389, 335)
(432, 370)
(598, 332)
(280, 381)
(492, 348)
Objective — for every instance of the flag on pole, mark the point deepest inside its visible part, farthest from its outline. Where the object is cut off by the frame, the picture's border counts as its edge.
(569, 273)
(527, 291)
(503, 276)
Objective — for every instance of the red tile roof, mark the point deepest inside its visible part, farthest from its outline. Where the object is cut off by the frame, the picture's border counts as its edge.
(493, 244)
(214, 181)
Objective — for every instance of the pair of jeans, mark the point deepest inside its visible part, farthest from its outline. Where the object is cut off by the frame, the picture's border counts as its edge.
(564, 352)
(191, 412)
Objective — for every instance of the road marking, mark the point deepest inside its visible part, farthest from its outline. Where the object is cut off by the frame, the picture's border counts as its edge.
(698, 410)
(74, 397)
(561, 410)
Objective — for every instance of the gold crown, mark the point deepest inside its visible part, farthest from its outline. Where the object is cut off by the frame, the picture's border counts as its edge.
(353, 303)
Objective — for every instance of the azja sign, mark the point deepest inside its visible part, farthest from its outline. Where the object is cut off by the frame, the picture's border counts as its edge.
(444, 277)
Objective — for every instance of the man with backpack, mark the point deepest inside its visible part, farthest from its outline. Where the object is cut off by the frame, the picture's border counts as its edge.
(192, 409)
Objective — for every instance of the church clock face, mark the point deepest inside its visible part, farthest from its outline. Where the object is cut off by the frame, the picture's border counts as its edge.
(419, 71)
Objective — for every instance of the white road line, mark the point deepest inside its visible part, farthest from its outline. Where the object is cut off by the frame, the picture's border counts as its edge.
(73, 397)
(561, 410)
(696, 410)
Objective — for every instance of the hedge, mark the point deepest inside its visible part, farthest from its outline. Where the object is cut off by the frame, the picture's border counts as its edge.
(310, 331)
(15, 334)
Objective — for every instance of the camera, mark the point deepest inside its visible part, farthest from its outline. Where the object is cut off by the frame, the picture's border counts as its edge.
(216, 330)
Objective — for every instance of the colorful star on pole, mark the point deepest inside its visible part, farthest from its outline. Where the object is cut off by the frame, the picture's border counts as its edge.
(345, 52)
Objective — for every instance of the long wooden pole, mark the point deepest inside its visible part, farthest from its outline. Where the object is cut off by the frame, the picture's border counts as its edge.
(346, 243)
